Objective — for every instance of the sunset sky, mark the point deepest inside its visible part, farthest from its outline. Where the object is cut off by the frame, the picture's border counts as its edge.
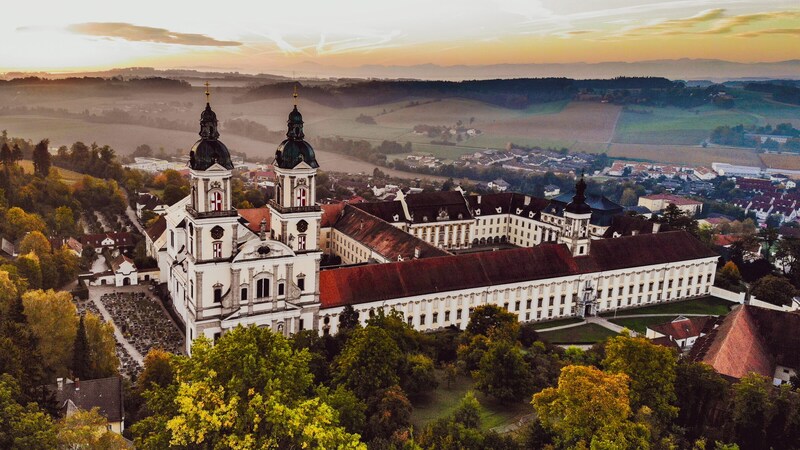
(254, 36)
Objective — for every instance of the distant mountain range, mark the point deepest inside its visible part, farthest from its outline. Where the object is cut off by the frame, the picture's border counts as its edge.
(678, 69)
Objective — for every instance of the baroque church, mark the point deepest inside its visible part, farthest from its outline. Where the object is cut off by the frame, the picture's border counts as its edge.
(433, 256)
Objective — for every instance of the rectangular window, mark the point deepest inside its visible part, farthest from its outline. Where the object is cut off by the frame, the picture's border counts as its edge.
(528, 304)
(300, 325)
(458, 314)
(280, 288)
(301, 242)
(262, 288)
(301, 283)
(540, 302)
(422, 319)
(244, 294)
(436, 317)
(217, 246)
(447, 316)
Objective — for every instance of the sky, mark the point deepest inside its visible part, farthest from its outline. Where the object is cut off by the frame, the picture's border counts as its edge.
(258, 35)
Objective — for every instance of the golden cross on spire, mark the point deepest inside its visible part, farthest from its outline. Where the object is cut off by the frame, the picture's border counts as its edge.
(295, 95)
(208, 94)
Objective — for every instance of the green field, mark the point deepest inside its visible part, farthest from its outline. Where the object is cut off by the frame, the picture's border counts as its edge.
(556, 323)
(706, 305)
(443, 401)
(639, 324)
(679, 126)
(585, 334)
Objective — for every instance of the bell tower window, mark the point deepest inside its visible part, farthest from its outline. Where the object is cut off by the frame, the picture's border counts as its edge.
(301, 241)
(215, 201)
(217, 249)
(301, 197)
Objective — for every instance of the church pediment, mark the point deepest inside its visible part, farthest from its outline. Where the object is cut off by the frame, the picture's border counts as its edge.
(258, 249)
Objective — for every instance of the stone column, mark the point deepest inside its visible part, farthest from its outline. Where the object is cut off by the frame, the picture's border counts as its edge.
(234, 238)
(275, 286)
(250, 291)
(289, 279)
(235, 289)
(199, 295)
(198, 242)
(316, 281)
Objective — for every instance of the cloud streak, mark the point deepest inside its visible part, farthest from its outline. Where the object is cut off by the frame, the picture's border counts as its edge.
(786, 31)
(138, 33)
(678, 26)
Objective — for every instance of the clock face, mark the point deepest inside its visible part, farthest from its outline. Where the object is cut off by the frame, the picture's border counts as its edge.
(217, 232)
(302, 226)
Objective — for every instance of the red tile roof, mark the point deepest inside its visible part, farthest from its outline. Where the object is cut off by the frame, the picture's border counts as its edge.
(683, 328)
(735, 348)
(331, 213)
(376, 282)
(121, 239)
(369, 283)
(382, 237)
(253, 216)
(157, 228)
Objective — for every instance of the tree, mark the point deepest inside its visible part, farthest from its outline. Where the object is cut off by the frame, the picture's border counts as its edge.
(651, 369)
(18, 222)
(16, 153)
(388, 412)
(41, 158)
(677, 219)
(769, 235)
(35, 242)
(249, 390)
(348, 319)
(88, 429)
(22, 427)
(81, 356)
(64, 221)
(102, 347)
(629, 197)
(774, 289)
(751, 410)
(5, 155)
(418, 376)
(493, 321)
(29, 268)
(143, 150)
(698, 388)
(53, 320)
(585, 402)
(157, 370)
(351, 410)
(503, 373)
(369, 362)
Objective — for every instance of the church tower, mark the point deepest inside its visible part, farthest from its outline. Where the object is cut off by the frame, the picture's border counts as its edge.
(211, 220)
(294, 215)
(575, 232)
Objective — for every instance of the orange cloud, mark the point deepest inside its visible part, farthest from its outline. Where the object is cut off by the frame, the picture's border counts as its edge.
(137, 33)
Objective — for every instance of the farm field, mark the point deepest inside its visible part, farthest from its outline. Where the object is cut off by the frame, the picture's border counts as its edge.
(668, 135)
(781, 161)
(675, 126)
(686, 154)
(443, 401)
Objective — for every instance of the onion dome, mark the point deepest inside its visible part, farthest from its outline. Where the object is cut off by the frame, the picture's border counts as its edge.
(209, 150)
(294, 149)
(578, 204)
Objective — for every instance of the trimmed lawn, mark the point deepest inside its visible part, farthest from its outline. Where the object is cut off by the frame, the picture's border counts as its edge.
(585, 334)
(443, 401)
(556, 323)
(639, 324)
(712, 306)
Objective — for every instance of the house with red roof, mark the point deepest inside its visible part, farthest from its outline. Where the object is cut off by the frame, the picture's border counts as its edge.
(683, 331)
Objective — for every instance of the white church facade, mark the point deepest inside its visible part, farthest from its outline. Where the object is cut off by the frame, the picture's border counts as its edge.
(225, 268)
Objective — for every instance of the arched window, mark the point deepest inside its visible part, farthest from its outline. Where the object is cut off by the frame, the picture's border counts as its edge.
(262, 288)
(301, 197)
(215, 201)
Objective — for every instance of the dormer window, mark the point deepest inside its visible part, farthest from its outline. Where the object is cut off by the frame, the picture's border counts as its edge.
(215, 201)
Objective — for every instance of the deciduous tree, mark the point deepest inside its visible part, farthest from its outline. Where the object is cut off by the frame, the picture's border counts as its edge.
(53, 320)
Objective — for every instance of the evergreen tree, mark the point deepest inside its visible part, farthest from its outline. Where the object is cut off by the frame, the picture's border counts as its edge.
(5, 155)
(16, 153)
(81, 357)
(41, 158)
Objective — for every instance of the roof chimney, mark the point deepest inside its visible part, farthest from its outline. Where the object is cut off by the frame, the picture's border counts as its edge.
(479, 199)
(656, 227)
(77, 384)
(416, 252)
(361, 225)
(60, 383)
(634, 232)
(527, 200)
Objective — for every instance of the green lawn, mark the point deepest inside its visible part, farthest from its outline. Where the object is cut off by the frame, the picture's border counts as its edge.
(584, 334)
(443, 401)
(556, 323)
(639, 324)
(705, 305)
